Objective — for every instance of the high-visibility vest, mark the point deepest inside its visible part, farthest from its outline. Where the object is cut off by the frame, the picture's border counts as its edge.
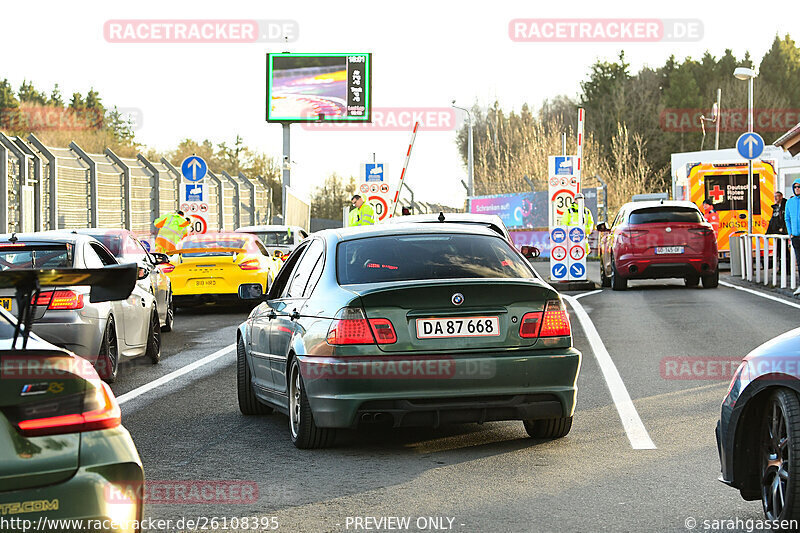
(362, 216)
(171, 229)
(571, 218)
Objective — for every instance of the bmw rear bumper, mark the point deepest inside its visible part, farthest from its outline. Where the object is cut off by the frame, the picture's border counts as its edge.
(79, 334)
(432, 390)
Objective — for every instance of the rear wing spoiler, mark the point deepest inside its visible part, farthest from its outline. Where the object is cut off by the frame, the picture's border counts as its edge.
(206, 250)
(106, 284)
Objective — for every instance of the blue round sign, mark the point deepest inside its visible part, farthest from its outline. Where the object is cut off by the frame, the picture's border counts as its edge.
(194, 168)
(577, 270)
(559, 271)
(558, 235)
(750, 145)
(576, 234)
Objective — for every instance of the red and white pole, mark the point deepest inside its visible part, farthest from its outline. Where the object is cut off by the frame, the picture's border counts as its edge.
(405, 166)
(580, 147)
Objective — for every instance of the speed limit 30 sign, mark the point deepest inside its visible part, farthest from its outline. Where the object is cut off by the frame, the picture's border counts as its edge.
(380, 205)
(199, 224)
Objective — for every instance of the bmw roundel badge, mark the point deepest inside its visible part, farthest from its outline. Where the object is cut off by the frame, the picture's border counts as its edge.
(457, 298)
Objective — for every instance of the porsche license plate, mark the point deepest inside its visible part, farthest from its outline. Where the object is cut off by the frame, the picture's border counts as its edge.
(669, 250)
(474, 326)
(205, 282)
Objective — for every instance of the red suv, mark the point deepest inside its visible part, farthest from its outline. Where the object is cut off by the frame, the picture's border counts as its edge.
(663, 239)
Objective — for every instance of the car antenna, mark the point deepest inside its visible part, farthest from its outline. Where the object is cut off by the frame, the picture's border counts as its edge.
(13, 238)
(441, 216)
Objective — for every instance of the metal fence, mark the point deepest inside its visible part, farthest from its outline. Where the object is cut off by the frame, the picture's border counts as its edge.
(765, 251)
(45, 188)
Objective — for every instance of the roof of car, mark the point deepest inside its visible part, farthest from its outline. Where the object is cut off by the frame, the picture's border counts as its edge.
(459, 218)
(378, 230)
(46, 237)
(659, 203)
(266, 227)
(101, 231)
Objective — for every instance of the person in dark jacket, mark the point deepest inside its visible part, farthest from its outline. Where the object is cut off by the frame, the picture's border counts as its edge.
(777, 224)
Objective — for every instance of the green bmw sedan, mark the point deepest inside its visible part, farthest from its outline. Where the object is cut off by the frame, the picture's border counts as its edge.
(407, 325)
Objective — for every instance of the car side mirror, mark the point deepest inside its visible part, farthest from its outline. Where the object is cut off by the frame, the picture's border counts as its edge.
(142, 273)
(602, 227)
(529, 252)
(251, 291)
(159, 258)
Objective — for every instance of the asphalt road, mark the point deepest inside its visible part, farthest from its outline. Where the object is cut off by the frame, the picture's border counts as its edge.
(488, 477)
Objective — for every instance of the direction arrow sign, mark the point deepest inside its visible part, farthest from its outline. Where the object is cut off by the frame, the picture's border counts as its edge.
(577, 270)
(194, 168)
(750, 145)
(559, 271)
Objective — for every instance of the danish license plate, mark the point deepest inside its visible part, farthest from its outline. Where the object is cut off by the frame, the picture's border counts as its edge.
(474, 326)
(6, 303)
(205, 282)
(669, 250)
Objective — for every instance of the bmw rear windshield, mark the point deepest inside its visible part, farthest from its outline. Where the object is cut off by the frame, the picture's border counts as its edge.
(427, 257)
(16, 256)
(671, 214)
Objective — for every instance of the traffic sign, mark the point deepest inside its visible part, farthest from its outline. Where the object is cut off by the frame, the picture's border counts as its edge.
(559, 270)
(204, 208)
(577, 270)
(563, 165)
(559, 253)
(199, 224)
(194, 168)
(195, 192)
(384, 188)
(558, 235)
(185, 207)
(750, 145)
(577, 252)
(364, 188)
(380, 206)
(374, 171)
(562, 199)
(576, 234)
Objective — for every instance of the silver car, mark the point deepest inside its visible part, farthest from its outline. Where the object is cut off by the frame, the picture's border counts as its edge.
(277, 238)
(127, 248)
(102, 332)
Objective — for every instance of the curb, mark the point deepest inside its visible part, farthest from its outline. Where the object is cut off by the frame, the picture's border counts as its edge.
(736, 280)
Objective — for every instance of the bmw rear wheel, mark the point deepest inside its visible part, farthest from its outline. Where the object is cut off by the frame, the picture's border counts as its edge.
(551, 428)
(249, 404)
(107, 364)
(304, 432)
(780, 456)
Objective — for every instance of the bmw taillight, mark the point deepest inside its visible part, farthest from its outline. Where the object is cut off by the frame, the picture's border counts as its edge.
(350, 326)
(250, 264)
(96, 409)
(60, 300)
(552, 322)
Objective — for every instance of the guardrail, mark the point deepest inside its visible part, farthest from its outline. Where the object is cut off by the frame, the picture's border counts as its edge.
(762, 250)
(44, 188)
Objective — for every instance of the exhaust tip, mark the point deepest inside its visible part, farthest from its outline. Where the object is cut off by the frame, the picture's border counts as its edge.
(705, 267)
(633, 269)
(367, 417)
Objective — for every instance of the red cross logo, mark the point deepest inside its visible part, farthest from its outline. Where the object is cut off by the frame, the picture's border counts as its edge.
(717, 194)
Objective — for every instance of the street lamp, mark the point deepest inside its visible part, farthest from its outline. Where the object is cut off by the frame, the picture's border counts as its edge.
(744, 73)
(470, 175)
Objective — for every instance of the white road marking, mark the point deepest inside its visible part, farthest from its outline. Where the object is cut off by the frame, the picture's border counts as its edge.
(759, 293)
(634, 428)
(587, 293)
(147, 387)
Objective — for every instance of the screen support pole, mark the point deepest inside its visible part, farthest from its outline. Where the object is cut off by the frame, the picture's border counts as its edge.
(287, 159)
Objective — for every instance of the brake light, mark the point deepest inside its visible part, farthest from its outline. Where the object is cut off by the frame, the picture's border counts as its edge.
(99, 410)
(552, 322)
(556, 320)
(637, 232)
(167, 268)
(250, 264)
(702, 231)
(59, 300)
(350, 326)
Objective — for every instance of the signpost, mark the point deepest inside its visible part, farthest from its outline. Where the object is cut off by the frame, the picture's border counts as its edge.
(750, 146)
(194, 200)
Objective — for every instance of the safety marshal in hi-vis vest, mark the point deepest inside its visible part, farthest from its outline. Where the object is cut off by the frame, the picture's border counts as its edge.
(362, 213)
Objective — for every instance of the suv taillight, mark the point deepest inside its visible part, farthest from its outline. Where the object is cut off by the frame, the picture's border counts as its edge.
(60, 300)
(552, 322)
(350, 326)
(98, 409)
(702, 231)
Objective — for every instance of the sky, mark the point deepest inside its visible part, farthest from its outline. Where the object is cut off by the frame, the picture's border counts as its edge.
(425, 54)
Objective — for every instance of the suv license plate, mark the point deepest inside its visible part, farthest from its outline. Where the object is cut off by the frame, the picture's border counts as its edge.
(669, 250)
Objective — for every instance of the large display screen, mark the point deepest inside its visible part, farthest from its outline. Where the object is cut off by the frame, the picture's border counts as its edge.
(319, 87)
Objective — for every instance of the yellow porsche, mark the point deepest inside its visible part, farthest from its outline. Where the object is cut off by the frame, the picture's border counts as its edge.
(217, 267)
